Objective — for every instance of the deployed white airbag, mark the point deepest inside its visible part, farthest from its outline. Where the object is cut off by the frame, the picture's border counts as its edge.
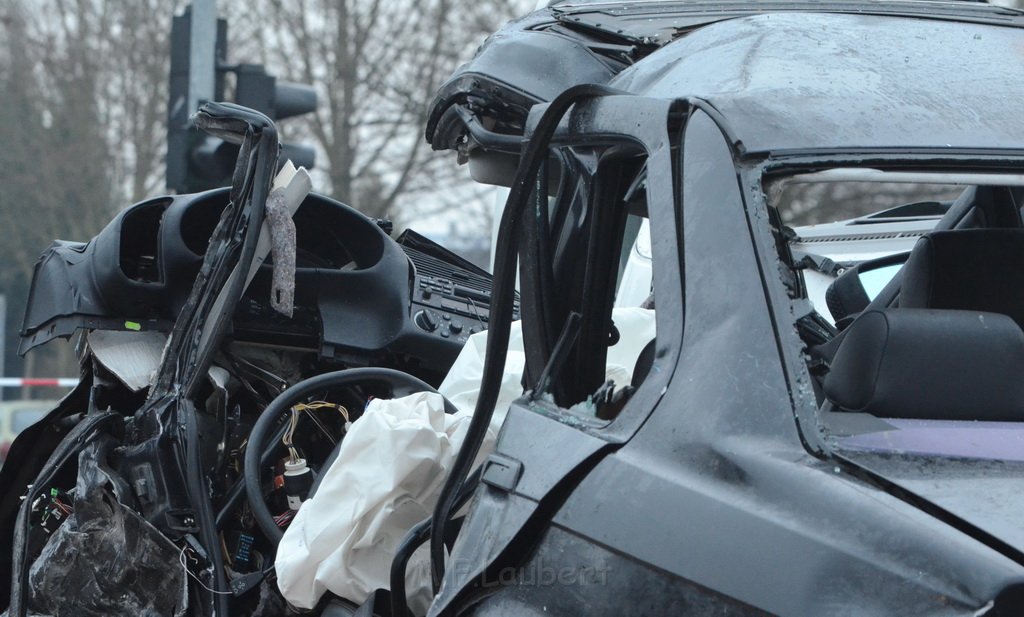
(385, 480)
(390, 470)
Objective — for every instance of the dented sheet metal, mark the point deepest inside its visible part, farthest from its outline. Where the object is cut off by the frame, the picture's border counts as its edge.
(132, 357)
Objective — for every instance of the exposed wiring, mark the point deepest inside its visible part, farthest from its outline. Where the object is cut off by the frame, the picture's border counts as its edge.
(271, 416)
(227, 554)
(284, 518)
(63, 507)
(476, 311)
(181, 560)
(244, 367)
(323, 429)
(293, 422)
(237, 491)
(289, 435)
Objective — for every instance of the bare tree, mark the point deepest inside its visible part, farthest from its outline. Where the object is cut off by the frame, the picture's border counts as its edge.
(84, 91)
(119, 53)
(812, 204)
(82, 102)
(377, 65)
(138, 68)
(53, 170)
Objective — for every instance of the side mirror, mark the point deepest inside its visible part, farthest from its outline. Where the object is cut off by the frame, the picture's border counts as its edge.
(855, 288)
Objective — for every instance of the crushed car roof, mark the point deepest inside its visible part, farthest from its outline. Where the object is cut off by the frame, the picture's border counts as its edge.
(815, 81)
(785, 75)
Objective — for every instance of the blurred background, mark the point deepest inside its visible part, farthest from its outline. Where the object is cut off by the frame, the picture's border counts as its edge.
(84, 105)
(84, 90)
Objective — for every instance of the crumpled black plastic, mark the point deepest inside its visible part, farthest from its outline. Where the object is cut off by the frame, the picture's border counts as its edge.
(106, 561)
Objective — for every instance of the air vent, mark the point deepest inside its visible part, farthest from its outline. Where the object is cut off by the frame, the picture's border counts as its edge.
(861, 237)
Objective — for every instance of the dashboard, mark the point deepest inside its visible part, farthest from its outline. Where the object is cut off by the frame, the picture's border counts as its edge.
(360, 296)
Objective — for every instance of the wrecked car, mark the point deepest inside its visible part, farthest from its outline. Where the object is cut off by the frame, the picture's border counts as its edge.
(197, 312)
(820, 417)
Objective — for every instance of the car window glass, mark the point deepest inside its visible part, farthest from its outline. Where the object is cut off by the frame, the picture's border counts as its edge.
(832, 226)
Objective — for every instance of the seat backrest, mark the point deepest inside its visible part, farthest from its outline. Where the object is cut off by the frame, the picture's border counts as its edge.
(971, 269)
(934, 364)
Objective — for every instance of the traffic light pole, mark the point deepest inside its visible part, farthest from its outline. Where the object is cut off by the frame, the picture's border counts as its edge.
(198, 44)
(202, 57)
(195, 161)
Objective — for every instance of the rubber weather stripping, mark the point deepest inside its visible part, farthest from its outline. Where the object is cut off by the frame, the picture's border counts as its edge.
(415, 539)
(507, 249)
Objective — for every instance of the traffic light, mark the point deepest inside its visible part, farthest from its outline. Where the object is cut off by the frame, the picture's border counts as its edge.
(197, 161)
(195, 56)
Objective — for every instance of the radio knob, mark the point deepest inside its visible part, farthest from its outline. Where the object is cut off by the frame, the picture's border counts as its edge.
(425, 321)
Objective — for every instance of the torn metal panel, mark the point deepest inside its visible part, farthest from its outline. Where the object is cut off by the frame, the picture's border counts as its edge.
(132, 357)
(483, 106)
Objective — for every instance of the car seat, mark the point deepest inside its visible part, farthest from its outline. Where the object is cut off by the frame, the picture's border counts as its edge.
(954, 348)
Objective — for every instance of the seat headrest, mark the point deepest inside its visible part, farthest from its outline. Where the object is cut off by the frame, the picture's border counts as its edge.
(971, 269)
(934, 364)
(847, 296)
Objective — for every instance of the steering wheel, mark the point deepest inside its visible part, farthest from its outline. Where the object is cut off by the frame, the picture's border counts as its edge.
(398, 381)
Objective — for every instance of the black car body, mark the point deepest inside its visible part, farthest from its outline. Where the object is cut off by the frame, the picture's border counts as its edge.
(761, 461)
(730, 483)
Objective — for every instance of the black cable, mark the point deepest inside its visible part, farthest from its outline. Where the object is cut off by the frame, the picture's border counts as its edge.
(560, 353)
(195, 482)
(237, 491)
(500, 323)
(488, 140)
(283, 404)
(412, 541)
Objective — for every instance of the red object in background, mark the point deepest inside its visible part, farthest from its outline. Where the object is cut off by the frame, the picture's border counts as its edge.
(53, 382)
